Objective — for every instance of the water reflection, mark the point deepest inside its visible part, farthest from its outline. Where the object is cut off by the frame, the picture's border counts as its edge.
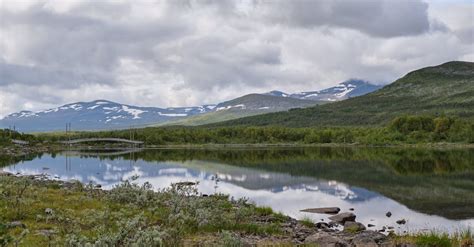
(436, 189)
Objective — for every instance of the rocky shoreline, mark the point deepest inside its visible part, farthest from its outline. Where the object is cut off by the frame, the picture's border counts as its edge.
(21, 150)
(294, 231)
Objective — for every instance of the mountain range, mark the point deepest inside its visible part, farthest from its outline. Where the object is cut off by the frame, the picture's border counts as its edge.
(104, 114)
(446, 89)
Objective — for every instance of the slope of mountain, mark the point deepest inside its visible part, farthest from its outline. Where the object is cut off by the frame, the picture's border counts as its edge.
(248, 105)
(444, 89)
(347, 89)
(99, 114)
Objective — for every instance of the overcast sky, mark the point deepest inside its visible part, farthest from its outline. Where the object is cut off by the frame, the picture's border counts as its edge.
(182, 53)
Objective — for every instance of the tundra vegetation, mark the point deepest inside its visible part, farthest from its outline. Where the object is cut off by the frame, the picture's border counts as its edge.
(49, 213)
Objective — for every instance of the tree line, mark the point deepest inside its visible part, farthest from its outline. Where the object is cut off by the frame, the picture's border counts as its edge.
(404, 129)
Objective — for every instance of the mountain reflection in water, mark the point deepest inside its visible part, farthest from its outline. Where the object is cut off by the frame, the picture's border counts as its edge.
(429, 188)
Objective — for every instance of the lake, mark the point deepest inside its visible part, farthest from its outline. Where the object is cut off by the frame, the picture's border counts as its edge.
(431, 189)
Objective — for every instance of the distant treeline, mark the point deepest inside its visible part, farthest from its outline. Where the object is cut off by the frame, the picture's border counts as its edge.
(404, 129)
(6, 136)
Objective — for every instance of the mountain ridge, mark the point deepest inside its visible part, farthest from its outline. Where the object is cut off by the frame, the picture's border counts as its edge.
(104, 114)
(446, 89)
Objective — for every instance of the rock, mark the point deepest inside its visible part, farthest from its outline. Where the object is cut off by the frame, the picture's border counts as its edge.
(370, 225)
(368, 239)
(3, 173)
(327, 210)
(333, 224)
(388, 214)
(325, 239)
(351, 209)
(401, 222)
(16, 224)
(350, 226)
(343, 217)
(48, 211)
(98, 186)
(182, 184)
(45, 232)
(322, 225)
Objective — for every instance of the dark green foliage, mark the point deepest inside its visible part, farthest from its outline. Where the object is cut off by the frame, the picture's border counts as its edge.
(405, 129)
(5, 238)
(7, 135)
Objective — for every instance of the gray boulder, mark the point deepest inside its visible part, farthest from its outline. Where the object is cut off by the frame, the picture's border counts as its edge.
(327, 210)
(343, 217)
(351, 226)
(325, 239)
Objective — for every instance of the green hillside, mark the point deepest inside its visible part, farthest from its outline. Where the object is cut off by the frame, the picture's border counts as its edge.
(248, 105)
(447, 89)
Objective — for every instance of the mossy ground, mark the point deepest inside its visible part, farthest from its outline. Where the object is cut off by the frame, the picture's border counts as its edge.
(126, 214)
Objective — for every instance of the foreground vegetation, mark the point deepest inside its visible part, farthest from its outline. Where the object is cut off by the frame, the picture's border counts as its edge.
(39, 213)
(50, 213)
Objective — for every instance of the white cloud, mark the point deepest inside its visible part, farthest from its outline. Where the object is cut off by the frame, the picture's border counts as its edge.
(190, 52)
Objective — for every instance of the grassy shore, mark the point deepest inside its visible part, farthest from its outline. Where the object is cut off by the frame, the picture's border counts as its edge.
(52, 213)
(41, 212)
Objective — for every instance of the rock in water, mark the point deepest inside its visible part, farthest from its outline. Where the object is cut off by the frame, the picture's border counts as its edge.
(343, 217)
(327, 210)
(388, 214)
(351, 226)
(401, 222)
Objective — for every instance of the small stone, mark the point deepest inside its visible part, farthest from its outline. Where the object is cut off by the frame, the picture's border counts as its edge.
(48, 211)
(351, 209)
(98, 186)
(327, 210)
(187, 183)
(333, 224)
(343, 217)
(350, 226)
(16, 224)
(322, 225)
(45, 232)
(401, 222)
(388, 214)
(370, 225)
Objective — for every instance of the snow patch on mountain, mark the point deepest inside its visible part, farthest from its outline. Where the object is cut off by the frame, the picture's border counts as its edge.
(242, 106)
(133, 111)
(173, 114)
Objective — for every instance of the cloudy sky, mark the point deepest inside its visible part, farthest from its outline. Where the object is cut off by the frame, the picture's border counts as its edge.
(191, 52)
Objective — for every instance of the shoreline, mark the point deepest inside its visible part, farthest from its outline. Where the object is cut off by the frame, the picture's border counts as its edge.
(270, 227)
(16, 150)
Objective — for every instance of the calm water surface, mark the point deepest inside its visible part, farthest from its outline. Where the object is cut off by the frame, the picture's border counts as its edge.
(428, 188)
